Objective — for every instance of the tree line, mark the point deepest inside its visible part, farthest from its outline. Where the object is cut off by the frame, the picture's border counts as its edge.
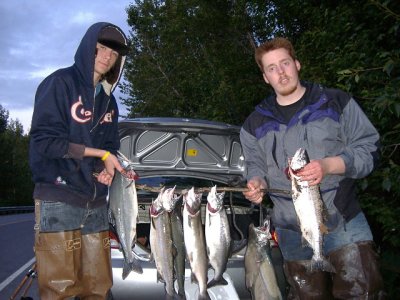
(16, 186)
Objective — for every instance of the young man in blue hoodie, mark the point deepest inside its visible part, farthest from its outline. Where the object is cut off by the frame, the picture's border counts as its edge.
(343, 146)
(74, 139)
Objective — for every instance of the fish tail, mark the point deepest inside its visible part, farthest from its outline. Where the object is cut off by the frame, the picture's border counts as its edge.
(136, 267)
(126, 270)
(321, 263)
(132, 266)
(215, 282)
(174, 297)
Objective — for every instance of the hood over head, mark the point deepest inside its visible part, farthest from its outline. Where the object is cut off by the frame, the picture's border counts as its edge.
(111, 36)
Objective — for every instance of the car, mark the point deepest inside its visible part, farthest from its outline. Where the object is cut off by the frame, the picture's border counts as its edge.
(186, 153)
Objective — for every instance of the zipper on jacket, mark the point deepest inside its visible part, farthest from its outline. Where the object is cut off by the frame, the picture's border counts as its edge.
(94, 107)
(101, 117)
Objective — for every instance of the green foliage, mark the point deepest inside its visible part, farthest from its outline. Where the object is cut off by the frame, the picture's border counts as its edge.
(3, 119)
(192, 59)
(15, 177)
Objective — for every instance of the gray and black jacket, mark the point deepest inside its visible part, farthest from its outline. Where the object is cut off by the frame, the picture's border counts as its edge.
(330, 124)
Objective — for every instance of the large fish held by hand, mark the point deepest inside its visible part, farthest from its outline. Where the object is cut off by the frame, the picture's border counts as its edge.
(309, 209)
(194, 241)
(123, 208)
(218, 236)
(260, 274)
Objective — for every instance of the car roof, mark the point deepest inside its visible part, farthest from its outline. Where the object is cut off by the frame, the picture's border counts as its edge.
(182, 147)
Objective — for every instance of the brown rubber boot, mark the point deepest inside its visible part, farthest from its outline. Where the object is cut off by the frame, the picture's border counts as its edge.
(305, 284)
(357, 272)
(97, 274)
(53, 250)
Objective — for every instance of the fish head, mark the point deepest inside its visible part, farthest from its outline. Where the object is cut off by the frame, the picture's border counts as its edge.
(189, 197)
(267, 225)
(169, 199)
(124, 161)
(157, 204)
(215, 200)
(192, 200)
(127, 165)
(263, 235)
(299, 160)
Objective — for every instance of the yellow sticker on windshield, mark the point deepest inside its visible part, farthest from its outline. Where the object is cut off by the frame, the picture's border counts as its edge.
(191, 152)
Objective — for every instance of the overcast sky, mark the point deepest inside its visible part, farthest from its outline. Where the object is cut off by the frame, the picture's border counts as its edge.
(41, 36)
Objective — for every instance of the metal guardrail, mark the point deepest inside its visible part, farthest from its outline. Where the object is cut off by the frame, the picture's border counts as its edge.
(7, 210)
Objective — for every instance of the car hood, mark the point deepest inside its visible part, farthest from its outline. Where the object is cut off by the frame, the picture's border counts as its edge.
(183, 147)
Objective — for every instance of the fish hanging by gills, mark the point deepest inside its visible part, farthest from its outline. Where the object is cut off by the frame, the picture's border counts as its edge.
(194, 241)
(260, 274)
(173, 205)
(123, 212)
(309, 208)
(161, 245)
(218, 236)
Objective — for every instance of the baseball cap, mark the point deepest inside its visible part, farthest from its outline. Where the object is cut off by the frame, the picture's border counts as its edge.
(113, 38)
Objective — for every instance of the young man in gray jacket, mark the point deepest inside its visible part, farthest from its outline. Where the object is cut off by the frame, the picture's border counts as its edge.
(343, 146)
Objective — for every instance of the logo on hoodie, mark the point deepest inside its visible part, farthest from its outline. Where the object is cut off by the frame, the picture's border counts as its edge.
(79, 113)
(108, 117)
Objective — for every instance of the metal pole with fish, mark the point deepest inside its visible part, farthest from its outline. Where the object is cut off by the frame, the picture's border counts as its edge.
(309, 209)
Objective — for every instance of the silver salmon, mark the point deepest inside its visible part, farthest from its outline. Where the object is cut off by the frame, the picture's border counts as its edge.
(123, 208)
(173, 205)
(260, 275)
(309, 209)
(218, 236)
(161, 244)
(194, 241)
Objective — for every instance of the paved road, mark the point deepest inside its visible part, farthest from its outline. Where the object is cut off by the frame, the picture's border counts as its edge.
(16, 254)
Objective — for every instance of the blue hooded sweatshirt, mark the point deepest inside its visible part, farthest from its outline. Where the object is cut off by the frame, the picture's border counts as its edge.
(70, 113)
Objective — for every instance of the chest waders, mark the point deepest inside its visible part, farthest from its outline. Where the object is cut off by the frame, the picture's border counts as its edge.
(356, 276)
(70, 264)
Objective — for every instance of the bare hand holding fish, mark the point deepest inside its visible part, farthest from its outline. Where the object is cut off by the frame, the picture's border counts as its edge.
(317, 169)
